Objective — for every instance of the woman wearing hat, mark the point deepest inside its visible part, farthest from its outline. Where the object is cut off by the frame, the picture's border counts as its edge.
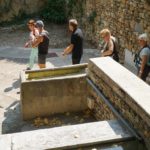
(42, 41)
(142, 59)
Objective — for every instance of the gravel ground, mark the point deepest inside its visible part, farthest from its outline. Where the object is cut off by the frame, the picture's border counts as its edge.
(17, 36)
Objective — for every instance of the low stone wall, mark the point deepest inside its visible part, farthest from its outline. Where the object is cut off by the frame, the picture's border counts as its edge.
(52, 96)
(129, 95)
(42, 97)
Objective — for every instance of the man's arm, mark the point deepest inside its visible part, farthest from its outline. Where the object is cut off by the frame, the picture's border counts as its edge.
(37, 41)
(144, 61)
(68, 50)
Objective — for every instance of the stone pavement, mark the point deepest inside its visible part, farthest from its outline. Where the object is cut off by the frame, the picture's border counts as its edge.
(15, 59)
(67, 137)
(12, 61)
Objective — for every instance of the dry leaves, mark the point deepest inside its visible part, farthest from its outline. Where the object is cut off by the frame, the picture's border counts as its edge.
(38, 122)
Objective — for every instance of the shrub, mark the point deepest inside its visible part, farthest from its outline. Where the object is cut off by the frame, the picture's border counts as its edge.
(55, 11)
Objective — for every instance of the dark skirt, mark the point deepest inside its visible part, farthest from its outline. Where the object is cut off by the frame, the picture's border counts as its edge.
(145, 73)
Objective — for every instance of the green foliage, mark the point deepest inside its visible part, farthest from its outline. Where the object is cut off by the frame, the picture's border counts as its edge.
(76, 7)
(92, 16)
(58, 11)
(55, 11)
(5, 8)
(21, 16)
(71, 5)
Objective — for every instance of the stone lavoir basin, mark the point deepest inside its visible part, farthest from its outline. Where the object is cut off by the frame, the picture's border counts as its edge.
(57, 112)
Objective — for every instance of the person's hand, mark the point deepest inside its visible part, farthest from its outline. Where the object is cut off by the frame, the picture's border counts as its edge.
(140, 75)
(102, 51)
(26, 45)
(63, 53)
(102, 55)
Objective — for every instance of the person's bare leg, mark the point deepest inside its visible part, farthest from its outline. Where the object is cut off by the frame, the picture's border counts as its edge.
(42, 66)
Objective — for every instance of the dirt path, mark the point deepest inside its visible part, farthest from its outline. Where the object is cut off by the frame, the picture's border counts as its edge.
(17, 36)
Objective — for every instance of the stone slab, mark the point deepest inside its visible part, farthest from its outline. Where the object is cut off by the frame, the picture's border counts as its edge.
(69, 136)
(5, 142)
(138, 90)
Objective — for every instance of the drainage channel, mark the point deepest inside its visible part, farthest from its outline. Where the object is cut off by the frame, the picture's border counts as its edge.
(131, 145)
(117, 114)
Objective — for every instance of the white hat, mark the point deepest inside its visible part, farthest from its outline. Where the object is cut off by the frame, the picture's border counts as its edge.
(143, 37)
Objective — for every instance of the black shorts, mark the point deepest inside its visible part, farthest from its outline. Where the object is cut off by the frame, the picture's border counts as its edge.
(42, 58)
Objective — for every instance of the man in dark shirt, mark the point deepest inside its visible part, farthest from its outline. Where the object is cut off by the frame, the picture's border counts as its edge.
(42, 41)
(76, 46)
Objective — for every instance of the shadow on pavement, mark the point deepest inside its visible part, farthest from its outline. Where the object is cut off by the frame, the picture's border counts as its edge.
(15, 85)
(16, 60)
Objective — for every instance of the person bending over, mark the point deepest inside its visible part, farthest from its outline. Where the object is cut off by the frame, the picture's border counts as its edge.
(111, 46)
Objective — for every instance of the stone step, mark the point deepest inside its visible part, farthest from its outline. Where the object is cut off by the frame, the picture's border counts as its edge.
(67, 137)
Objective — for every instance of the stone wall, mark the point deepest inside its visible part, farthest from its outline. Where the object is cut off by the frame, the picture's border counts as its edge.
(52, 91)
(10, 9)
(125, 18)
(99, 109)
(128, 94)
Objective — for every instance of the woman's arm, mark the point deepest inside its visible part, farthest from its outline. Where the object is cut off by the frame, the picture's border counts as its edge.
(37, 41)
(109, 52)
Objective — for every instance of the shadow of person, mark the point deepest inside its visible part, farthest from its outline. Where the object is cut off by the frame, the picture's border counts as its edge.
(8, 89)
(15, 85)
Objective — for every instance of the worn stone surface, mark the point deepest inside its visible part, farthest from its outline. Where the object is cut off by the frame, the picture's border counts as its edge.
(100, 110)
(44, 97)
(128, 94)
(6, 142)
(68, 137)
